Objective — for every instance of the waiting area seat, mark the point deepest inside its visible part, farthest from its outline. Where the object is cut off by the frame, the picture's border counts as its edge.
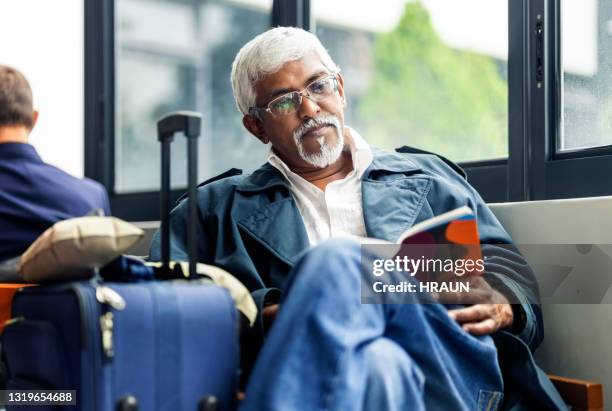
(576, 341)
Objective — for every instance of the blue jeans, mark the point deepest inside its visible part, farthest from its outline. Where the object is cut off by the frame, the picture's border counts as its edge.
(327, 351)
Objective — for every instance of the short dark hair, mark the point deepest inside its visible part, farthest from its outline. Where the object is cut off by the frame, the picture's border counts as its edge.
(15, 99)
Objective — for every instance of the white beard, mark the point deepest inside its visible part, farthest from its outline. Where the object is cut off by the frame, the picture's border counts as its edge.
(328, 154)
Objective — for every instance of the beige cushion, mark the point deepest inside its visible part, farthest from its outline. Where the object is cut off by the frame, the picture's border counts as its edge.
(70, 248)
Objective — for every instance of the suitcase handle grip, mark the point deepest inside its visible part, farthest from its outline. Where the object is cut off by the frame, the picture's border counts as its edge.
(189, 123)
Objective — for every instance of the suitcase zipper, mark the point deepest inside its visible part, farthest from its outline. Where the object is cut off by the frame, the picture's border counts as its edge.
(106, 328)
(108, 298)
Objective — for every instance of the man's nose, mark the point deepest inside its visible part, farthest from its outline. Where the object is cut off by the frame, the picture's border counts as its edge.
(308, 108)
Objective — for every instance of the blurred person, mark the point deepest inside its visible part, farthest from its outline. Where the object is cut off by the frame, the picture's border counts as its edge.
(33, 195)
(277, 231)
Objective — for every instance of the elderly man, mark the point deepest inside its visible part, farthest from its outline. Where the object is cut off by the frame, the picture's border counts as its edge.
(322, 180)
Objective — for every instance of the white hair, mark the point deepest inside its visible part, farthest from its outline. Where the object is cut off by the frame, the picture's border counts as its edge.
(266, 54)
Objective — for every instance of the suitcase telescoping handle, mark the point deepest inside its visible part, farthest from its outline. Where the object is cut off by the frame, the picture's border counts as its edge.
(189, 123)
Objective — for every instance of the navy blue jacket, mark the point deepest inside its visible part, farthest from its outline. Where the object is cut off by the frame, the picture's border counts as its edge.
(251, 226)
(34, 195)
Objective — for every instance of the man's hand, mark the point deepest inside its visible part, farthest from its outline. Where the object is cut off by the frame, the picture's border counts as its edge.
(482, 319)
(490, 311)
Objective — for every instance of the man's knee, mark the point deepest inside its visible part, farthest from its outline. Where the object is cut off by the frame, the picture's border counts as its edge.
(333, 263)
(335, 248)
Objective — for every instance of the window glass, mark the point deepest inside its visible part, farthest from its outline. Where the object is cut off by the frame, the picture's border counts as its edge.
(44, 40)
(586, 39)
(421, 73)
(177, 56)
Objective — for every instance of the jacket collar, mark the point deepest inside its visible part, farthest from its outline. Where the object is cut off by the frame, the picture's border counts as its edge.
(390, 161)
(262, 222)
(19, 150)
(262, 179)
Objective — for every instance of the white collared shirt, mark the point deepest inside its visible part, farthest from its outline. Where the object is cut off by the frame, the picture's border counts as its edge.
(337, 211)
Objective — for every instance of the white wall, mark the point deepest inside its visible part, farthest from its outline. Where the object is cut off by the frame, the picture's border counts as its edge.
(44, 40)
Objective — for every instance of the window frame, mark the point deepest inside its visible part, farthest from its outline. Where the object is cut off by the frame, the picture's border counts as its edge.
(534, 170)
(100, 126)
(99, 93)
(577, 173)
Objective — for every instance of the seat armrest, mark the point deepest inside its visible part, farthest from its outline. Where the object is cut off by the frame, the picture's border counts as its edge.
(581, 395)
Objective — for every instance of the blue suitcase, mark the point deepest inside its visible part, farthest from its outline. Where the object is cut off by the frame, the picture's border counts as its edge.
(147, 346)
(168, 345)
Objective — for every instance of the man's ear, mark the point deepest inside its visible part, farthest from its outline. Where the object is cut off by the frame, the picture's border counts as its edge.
(34, 119)
(255, 127)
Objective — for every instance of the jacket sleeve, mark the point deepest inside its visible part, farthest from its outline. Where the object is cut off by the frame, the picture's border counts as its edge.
(507, 271)
(505, 268)
(264, 297)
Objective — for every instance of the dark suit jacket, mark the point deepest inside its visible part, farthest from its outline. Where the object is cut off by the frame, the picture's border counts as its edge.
(34, 195)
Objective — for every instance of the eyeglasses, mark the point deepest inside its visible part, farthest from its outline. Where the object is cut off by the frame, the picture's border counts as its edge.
(289, 103)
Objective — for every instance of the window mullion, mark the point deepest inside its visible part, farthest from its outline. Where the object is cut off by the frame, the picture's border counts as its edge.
(294, 13)
(518, 101)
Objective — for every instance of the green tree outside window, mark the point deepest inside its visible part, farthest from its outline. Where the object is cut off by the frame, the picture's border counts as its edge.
(427, 95)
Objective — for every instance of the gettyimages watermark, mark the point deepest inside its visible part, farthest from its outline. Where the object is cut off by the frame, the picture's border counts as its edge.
(467, 274)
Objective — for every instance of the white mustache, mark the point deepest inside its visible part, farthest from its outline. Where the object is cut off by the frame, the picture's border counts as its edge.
(314, 123)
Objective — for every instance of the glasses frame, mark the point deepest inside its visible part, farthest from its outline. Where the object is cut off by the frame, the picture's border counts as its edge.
(255, 111)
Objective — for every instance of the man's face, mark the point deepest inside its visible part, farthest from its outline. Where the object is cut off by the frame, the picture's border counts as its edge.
(312, 136)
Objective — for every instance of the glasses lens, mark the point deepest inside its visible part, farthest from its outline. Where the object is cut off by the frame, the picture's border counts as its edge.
(284, 105)
(322, 88)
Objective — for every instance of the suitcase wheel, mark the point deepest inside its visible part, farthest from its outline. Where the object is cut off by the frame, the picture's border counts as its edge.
(209, 403)
(127, 403)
